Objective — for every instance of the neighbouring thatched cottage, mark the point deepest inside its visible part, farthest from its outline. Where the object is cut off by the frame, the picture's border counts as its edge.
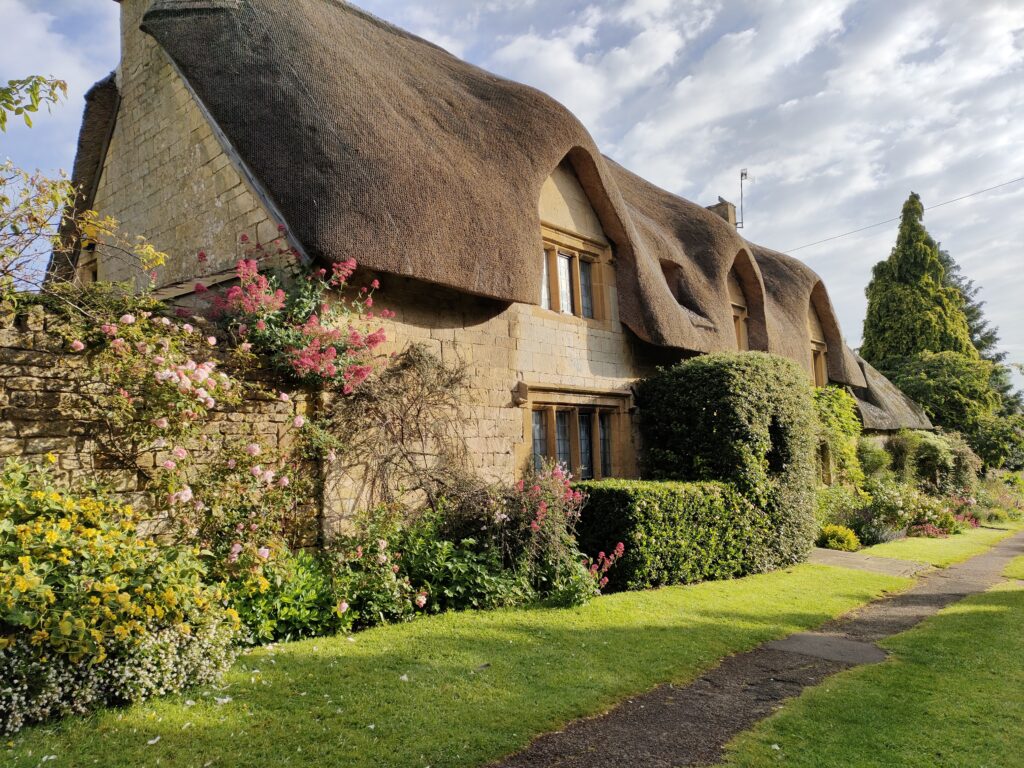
(504, 237)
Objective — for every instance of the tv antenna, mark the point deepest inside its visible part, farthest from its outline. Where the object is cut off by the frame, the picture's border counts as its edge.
(744, 176)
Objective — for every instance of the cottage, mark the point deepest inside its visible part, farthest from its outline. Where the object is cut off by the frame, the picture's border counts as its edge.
(504, 238)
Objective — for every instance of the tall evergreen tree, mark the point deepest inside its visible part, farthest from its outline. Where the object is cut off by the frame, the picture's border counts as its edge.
(911, 308)
(984, 335)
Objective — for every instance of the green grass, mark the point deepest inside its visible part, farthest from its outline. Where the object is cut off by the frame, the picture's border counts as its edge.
(480, 685)
(944, 552)
(1015, 570)
(949, 696)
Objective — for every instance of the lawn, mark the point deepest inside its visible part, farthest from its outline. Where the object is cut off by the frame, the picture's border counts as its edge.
(454, 690)
(951, 695)
(944, 552)
(1015, 570)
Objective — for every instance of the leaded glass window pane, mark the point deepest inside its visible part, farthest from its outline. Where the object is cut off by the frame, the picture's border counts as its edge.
(564, 454)
(545, 282)
(586, 446)
(565, 294)
(586, 288)
(605, 429)
(540, 439)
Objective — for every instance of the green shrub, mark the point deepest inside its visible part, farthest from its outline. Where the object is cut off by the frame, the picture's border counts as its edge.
(873, 457)
(675, 533)
(839, 431)
(938, 463)
(747, 419)
(839, 504)
(293, 596)
(838, 537)
(892, 507)
(92, 614)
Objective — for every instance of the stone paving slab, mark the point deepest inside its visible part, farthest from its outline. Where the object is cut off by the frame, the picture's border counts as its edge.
(861, 562)
(834, 647)
(690, 725)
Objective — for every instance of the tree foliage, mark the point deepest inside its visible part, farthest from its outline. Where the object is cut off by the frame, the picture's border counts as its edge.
(984, 335)
(911, 308)
(954, 389)
(25, 96)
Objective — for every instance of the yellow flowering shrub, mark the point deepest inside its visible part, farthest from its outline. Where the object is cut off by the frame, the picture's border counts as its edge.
(80, 588)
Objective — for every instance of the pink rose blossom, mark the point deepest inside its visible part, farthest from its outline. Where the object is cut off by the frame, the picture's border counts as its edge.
(77, 346)
(231, 463)
(179, 453)
(284, 482)
(245, 346)
(127, 319)
(211, 340)
(253, 449)
(263, 553)
(236, 550)
(185, 495)
(342, 606)
(284, 397)
(421, 599)
(169, 465)
(298, 421)
(187, 328)
(161, 423)
(268, 476)
(256, 471)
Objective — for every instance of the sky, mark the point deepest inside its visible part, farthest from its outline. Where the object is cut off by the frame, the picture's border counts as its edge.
(838, 109)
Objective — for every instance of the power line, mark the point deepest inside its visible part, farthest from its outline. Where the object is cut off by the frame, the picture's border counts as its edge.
(897, 218)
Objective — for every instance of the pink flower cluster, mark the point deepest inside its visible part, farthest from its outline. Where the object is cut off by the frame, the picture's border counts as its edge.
(195, 379)
(599, 568)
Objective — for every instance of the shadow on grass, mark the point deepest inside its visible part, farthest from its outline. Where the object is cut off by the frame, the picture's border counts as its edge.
(458, 689)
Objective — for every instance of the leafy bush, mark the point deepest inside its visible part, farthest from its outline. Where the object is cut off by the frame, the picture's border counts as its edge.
(744, 418)
(892, 508)
(675, 533)
(999, 441)
(838, 537)
(939, 463)
(459, 575)
(839, 504)
(839, 431)
(873, 457)
(289, 597)
(90, 612)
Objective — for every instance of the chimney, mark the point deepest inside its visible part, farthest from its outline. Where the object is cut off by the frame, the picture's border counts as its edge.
(725, 209)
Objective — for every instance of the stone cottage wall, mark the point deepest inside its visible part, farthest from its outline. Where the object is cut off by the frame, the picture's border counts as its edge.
(44, 391)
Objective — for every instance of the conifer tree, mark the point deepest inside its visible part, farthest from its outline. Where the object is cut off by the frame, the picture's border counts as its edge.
(911, 308)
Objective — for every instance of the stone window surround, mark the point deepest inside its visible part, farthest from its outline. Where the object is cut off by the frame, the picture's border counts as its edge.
(577, 402)
(557, 241)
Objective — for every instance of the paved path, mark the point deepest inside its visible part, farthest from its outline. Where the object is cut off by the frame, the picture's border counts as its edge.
(689, 725)
(861, 562)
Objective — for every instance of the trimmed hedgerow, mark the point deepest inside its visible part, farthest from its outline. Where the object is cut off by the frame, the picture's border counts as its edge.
(674, 533)
(748, 419)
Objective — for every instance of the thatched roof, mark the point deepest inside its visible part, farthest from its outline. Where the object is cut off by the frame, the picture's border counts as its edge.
(101, 103)
(377, 145)
(884, 407)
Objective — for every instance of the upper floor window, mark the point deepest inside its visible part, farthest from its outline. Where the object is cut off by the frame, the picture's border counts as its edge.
(568, 280)
(819, 348)
(740, 315)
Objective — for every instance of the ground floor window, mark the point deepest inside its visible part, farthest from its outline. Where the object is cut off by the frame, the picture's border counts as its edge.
(585, 439)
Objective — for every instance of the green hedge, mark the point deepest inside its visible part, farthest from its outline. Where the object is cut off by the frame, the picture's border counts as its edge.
(747, 419)
(674, 533)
